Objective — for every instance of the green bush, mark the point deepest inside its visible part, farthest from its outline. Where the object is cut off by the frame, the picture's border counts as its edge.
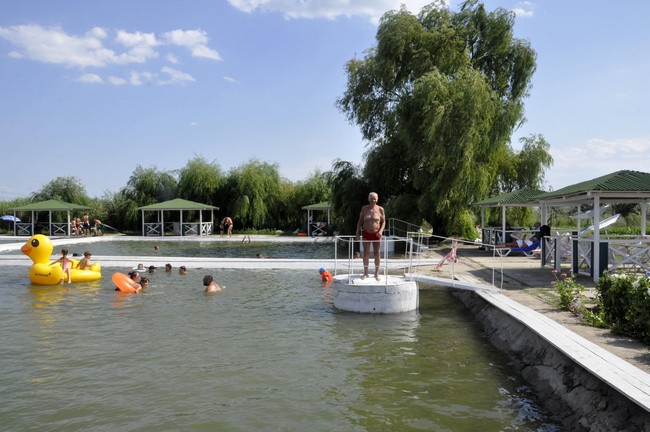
(625, 300)
(571, 297)
(570, 293)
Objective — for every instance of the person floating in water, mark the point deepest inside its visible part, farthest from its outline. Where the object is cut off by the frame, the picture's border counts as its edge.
(371, 224)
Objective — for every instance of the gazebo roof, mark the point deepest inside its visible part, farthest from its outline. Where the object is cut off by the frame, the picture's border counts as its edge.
(50, 205)
(518, 198)
(178, 204)
(325, 205)
(619, 186)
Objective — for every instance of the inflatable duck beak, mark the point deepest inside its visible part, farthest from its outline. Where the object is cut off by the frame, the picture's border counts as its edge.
(38, 248)
(29, 246)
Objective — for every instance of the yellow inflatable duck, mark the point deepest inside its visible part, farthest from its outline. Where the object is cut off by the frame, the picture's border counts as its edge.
(39, 248)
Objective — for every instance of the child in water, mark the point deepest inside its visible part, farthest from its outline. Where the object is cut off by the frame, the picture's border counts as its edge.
(325, 275)
(65, 265)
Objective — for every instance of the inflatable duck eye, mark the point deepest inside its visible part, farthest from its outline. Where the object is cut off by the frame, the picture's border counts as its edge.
(35, 243)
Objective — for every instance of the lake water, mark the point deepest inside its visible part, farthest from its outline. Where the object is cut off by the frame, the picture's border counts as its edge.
(268, 353)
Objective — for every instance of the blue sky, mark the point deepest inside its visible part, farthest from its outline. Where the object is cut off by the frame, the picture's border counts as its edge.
(92, 89)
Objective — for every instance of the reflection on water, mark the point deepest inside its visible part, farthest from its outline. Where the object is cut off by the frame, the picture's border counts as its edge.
(267, 353)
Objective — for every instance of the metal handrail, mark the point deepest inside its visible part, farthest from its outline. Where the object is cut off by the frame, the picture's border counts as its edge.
(352, 241)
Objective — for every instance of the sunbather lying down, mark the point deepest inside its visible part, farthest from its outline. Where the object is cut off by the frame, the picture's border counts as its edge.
(519, 243)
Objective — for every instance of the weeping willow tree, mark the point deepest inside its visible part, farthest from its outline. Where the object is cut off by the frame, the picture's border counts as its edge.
(200, 180)
(437, 99)
(256, 189)
(68, 189)
(145, 186)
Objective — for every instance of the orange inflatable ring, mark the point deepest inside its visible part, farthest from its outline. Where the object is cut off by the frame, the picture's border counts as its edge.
(124, 283)
(326, 276)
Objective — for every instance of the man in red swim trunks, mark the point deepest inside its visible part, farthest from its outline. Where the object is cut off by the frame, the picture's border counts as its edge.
(372, 222)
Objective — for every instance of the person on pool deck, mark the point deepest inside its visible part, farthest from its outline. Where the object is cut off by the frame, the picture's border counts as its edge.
(371, 224)
(85, 224)
(98, 227)
(84, 263)
(210, 285)
(182, 270)
(227, 224)
(519, 243)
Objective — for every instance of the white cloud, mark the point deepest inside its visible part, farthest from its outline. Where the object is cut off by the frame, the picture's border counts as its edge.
(90, 78)
(136, 39)
(175, 76)
(54, 45)
(139, 78)
(373, 9)
(597, 149)
(597, 157)
(167, 76)
(229, 79)
(195, 40)
(523, 9)
(117, 81)
(203, 51)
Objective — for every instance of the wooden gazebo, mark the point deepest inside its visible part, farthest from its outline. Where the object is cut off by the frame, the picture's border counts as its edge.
(52, 206)
(201, 227)
(318, 227)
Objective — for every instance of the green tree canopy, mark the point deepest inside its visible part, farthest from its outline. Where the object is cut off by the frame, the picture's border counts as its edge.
(68, 189)
(199, 180)
(256, 189)
(438, 99)
(145, 186)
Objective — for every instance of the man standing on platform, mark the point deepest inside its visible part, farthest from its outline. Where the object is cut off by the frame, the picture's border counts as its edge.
(370, 226)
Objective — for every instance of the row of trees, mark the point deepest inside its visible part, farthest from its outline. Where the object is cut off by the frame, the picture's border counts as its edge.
(437, 101)
(253, 194)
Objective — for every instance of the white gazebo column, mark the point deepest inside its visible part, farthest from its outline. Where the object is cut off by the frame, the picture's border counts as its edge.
(595, 250)
(503, 225)
(644, 212)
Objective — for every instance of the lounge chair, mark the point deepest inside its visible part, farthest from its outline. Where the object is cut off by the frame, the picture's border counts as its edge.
(528, 250)
(603, 224)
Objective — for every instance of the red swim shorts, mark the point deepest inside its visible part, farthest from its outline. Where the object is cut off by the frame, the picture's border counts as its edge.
(371, 236)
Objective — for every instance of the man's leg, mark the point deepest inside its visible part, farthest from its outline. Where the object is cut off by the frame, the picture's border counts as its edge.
(366, 258)
(376, 249)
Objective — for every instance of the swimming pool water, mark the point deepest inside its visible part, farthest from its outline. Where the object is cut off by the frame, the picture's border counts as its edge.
(269, 352)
